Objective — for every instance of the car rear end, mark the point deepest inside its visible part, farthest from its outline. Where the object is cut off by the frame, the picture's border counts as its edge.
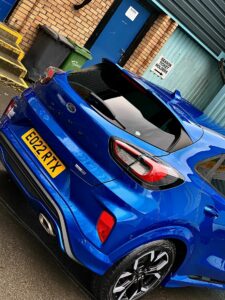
(49, 166)
(85, 149)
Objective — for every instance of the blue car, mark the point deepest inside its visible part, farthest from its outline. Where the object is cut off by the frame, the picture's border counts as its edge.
(128, 177)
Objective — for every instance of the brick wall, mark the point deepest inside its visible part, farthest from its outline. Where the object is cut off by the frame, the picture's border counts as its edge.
(151, 44)
(59, 15)
(79, 26)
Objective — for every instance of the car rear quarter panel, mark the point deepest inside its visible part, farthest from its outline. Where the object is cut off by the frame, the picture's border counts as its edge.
(177, 213)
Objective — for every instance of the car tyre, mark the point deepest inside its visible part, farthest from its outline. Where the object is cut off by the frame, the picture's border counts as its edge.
(137, 274)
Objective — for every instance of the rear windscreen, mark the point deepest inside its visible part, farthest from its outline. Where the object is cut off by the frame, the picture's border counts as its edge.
(132, 108)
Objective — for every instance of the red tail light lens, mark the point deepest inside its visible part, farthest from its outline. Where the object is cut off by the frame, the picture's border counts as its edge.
(9, 112)
(105, 225)
(150, 171)
(49, 73)
(126, 154)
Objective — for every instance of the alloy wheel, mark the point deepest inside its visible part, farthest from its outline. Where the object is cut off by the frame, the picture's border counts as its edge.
(145, 273)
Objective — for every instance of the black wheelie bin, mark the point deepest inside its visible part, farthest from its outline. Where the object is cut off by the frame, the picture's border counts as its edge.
(48, 49)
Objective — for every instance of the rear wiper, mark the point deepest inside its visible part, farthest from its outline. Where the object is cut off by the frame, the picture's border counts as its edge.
(95, 98)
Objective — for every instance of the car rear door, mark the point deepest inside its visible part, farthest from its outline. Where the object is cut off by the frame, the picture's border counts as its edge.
(212, 225)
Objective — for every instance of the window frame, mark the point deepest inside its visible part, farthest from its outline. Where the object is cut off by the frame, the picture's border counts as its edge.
(209, 177)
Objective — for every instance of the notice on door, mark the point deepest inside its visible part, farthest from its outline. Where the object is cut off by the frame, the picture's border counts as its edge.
(162, 67)
(132, 13)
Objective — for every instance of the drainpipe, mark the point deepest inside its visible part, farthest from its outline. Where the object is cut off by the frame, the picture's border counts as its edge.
(81, 5)
(221, 68)
(35, 4)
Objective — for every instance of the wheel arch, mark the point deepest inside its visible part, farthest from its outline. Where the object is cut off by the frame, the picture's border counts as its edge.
(182, 237)
(181, 253)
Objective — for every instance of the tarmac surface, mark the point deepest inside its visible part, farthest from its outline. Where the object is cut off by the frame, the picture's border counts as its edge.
(28, 271)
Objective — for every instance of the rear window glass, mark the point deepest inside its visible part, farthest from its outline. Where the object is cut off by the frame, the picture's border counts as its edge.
(213, 170)
(129, 106)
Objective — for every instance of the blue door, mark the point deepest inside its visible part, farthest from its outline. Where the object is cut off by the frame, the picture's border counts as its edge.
(5, 8)
(120, 31)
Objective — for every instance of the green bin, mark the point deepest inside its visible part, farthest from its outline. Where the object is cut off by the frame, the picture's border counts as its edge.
(77, 58)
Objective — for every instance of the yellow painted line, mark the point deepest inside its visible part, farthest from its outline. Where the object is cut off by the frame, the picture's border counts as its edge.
(21, 54)
(18, 66)
(12, 32)
(21, 83)
(14, 49)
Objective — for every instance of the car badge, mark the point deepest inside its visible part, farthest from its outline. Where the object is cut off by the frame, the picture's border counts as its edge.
(71, 107)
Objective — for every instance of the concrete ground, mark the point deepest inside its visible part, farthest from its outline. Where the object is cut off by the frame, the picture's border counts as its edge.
(28, 271)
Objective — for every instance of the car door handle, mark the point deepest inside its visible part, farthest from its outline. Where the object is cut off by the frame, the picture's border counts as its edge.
(211, 211)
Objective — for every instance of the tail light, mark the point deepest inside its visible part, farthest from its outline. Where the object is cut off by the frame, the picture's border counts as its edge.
(9, 112)
(105, 225)
(149, 171)
(49, 74)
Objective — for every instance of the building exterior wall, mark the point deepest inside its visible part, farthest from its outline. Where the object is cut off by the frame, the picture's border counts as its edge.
(151, 44)
(60, 15)
(195, 72)
(204, 20)
(79, 26)
(216, 109)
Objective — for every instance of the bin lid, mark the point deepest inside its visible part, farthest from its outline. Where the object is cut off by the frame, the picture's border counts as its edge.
(56, 36)
(49, 31)
(65, 41)
(81, 50)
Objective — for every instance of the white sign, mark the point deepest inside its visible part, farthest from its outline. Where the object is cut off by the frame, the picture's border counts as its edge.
(162, 67)
(131, 13)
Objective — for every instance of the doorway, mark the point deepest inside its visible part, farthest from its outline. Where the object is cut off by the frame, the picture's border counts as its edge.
(124, 26)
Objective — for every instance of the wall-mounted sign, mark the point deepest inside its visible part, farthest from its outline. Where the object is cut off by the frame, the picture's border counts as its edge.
(132, 13)
(162, 67)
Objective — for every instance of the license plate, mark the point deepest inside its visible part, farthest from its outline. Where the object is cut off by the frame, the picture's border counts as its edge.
(43, 153)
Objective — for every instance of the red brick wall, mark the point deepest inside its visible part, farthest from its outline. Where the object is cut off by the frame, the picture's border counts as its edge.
(59, 15)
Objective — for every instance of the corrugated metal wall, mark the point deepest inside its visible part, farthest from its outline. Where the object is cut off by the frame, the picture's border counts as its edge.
(195, 72)
(203, 18)
(216, 109)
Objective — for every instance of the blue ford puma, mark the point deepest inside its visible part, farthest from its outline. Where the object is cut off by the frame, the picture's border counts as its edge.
(128, 177)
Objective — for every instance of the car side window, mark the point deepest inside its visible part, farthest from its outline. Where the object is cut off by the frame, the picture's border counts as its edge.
(213, 170)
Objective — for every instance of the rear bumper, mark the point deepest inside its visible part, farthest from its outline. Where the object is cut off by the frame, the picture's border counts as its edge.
(44, 198)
